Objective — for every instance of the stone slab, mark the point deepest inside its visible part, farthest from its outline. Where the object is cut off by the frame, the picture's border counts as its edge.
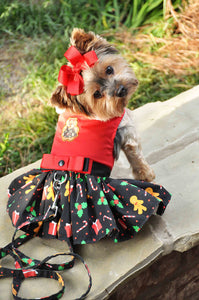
(168, 125)
(117, 262)
(180, 172)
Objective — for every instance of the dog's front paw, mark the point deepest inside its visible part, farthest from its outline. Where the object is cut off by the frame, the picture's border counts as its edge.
(145, 173)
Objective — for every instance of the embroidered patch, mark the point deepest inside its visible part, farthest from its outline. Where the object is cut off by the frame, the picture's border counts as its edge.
(70, 130)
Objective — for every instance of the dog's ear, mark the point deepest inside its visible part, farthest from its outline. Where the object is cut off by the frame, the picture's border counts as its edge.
(60, 98)
(82, 40)
(85, 42)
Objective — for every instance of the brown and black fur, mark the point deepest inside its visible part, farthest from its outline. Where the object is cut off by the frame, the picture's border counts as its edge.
(108, 86)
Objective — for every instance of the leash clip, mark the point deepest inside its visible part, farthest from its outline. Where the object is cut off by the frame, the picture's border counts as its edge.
(59, 179)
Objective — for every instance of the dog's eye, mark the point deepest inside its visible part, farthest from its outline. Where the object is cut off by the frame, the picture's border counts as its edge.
(109, 70)
(97, 95)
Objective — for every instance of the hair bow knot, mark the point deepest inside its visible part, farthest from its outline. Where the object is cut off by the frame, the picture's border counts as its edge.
(70, 76)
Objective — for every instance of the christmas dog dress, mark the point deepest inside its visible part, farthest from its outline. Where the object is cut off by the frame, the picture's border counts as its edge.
(90, 204)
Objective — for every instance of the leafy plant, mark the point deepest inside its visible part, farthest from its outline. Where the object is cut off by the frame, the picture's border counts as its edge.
(52, 16)
(27, 139)
(4, 146)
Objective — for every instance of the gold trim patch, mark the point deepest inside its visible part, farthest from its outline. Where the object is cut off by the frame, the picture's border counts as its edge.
(71, 130)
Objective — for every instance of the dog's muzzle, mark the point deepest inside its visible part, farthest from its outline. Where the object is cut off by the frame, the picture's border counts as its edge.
(121, 91)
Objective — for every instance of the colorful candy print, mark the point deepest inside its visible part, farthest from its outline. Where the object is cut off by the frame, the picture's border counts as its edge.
(52, 230)
(68, 230)
(138, 204)
(102, 199)
(15, 217)
(97, 226)
(84, 226)
(104, 189)
(80, 208)
(91, 210)
(106, 217)
(80, 189)
(94, 188)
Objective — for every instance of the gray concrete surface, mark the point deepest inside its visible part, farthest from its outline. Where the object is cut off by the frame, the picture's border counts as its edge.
(170, 138)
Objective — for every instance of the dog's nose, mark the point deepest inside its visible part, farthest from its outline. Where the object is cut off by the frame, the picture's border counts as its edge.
(121, 91)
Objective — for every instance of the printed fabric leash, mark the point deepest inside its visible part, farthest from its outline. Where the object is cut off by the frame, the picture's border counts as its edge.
(36, 268)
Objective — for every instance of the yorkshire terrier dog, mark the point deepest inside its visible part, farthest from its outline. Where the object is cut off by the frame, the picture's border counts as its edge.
(71, 196)
(108, 86)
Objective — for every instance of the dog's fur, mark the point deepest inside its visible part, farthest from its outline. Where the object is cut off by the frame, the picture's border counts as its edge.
(108, 86)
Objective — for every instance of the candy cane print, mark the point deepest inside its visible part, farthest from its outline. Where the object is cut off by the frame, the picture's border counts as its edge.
(94, 188)
(9, 194)
(128, 216)
(106, 217)
(80, 189)
(25, 185)
(85, 224)
(71, 188)
(104, 189)
(15, 217)
(45, 192)
(122, 224)
(111, 187)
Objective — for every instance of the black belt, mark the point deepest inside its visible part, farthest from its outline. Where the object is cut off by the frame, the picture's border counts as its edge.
(100, 169)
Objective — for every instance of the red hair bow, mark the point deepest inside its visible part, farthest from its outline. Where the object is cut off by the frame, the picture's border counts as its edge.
(70, 77)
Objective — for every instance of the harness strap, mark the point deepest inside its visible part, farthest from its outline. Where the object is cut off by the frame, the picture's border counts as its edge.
(79, 164)
(62, 163)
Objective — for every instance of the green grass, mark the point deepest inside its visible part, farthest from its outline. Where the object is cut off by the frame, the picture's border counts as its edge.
(32, 17)
(155, 86)
(36, 36)
(27, 139)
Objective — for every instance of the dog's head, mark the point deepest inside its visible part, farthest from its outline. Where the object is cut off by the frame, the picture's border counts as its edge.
(108, 84)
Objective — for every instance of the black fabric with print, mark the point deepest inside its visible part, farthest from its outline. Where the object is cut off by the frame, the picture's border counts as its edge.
(89, 207)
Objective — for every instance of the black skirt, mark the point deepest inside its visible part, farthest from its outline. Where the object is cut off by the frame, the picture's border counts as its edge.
(89, 207)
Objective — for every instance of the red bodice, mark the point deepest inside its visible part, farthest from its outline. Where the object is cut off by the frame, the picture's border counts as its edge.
(78, 137)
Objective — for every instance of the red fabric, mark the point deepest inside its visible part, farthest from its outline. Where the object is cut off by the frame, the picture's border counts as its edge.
(72, 163)
(79, 137)
(70, 77)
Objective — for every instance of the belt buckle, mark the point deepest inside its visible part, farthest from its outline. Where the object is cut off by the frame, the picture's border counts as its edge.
(87, 166)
